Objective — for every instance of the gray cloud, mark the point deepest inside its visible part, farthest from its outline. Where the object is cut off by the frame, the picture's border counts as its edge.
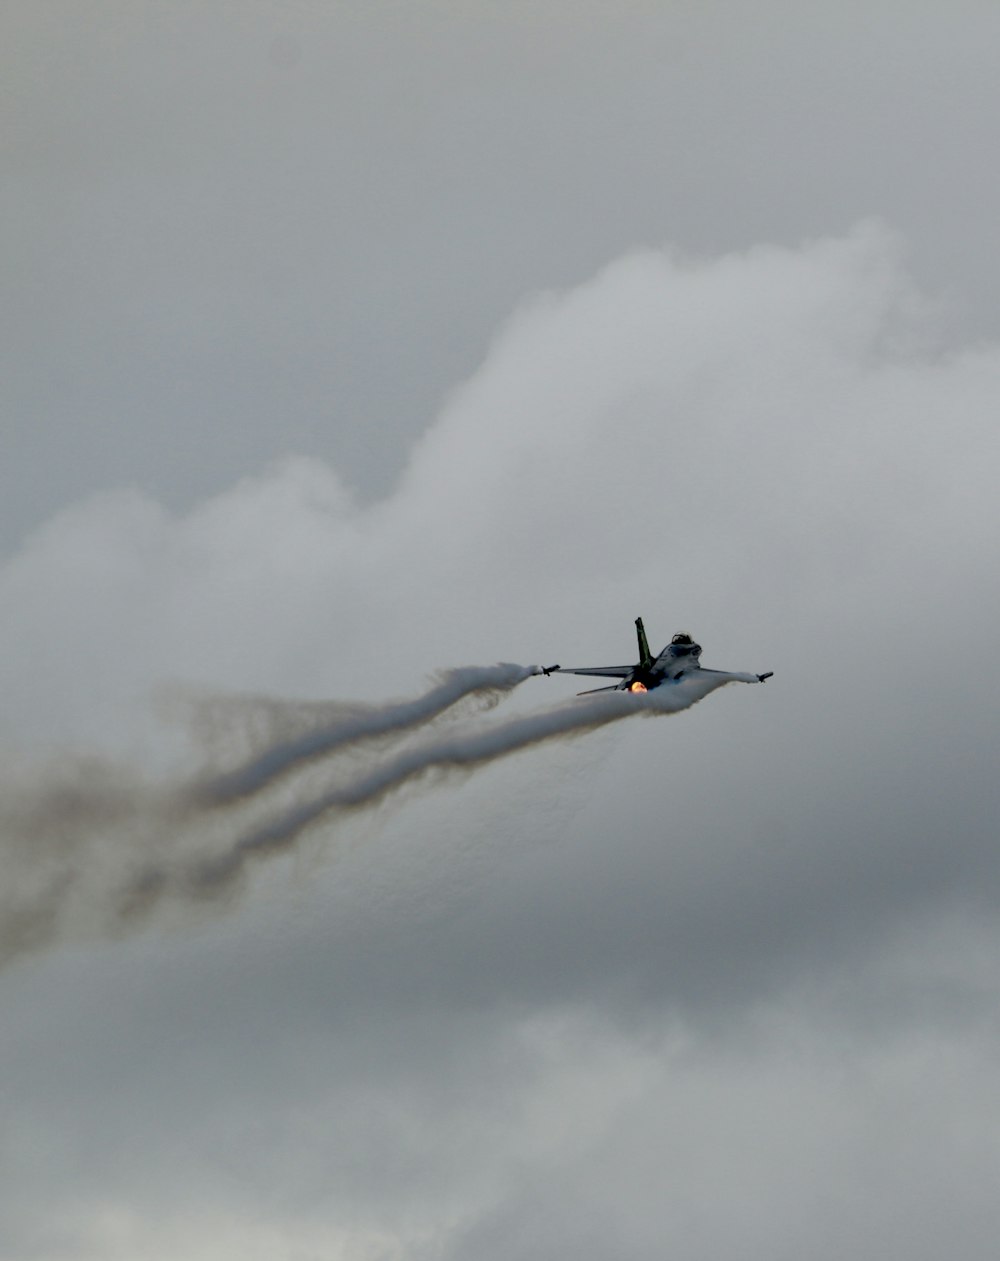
(746, 955)
(239, 231)
(723, 985)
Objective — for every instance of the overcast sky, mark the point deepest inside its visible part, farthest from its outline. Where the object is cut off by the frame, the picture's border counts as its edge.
(348, 342)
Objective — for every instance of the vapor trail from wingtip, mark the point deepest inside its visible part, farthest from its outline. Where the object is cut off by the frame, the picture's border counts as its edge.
(459, 750)
(78, 836)
(362, 724)
(97, 844)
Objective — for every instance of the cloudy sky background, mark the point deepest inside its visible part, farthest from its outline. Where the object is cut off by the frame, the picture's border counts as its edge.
(346, 343)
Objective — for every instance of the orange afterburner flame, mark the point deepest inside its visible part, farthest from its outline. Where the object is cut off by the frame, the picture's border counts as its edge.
(638, 687)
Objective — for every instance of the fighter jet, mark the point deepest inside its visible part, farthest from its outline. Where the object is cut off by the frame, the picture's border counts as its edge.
(680, 659)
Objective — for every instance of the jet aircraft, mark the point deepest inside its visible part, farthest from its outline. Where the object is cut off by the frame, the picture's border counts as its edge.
(680, 659)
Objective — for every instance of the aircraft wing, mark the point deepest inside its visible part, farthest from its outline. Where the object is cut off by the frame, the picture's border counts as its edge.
(608, 672)
(737, 676)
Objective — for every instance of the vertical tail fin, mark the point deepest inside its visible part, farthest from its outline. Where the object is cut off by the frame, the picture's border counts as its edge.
(645, 656)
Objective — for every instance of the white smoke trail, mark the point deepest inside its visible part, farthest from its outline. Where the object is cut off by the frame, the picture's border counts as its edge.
(461, 750)
(362, 723)
(88, 846)
(77, 835)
